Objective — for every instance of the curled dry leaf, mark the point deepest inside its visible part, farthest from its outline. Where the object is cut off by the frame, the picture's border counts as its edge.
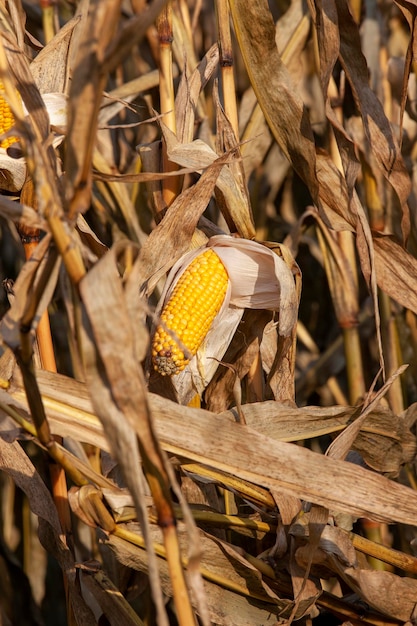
(199, 155)
(384, 591)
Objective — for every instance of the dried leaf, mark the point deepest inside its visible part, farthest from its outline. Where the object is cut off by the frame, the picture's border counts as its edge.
(16, 464)
(199, 155)
(223, 444)
(384, 591)
(226, 607)
(50, 67)
(377, 128)
(286, 116)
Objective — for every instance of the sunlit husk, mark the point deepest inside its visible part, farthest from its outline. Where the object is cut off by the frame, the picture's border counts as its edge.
(13, 170)
(258, 279)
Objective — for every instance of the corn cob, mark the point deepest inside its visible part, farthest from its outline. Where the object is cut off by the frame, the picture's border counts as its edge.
(6, 120)
(189, 313)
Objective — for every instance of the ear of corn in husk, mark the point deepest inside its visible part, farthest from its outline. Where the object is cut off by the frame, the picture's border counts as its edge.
(257, 278)
(14, 167)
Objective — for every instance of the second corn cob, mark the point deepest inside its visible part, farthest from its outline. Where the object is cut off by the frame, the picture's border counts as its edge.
(6, 120)
(187, 316)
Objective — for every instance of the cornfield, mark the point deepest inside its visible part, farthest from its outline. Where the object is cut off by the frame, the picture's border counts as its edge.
(208, 365)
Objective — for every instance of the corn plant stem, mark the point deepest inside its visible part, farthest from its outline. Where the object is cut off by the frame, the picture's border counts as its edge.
(251, 492)
(184, 610)
(374, 204)
(352, 346)
(345, 316)
(228, 521)
(389, 332)
(390, 343)
(373, 534)
(158, 484)
(332, 382)
(184, 12)
(356, 8)
(255, 382)
(226, 64)
(170, 185)
(47, 358)
(43, 330)
(393, 348)
(48, 19)
(71, 255)
(373, 530)
(355, 377)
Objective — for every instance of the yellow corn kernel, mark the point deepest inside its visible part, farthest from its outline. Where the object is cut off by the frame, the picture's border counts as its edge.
(6, 120)
(187, 316)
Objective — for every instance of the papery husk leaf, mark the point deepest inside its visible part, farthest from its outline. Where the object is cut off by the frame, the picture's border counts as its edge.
(12, 173)
(240, 354)
(259, 279)
(199, 372)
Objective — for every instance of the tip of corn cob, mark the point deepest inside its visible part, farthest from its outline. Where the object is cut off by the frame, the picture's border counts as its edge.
(188, 314)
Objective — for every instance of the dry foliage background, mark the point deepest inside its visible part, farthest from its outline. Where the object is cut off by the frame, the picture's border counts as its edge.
(288, 491)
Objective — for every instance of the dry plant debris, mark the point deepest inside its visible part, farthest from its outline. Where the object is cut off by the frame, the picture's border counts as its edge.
(273, 478)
